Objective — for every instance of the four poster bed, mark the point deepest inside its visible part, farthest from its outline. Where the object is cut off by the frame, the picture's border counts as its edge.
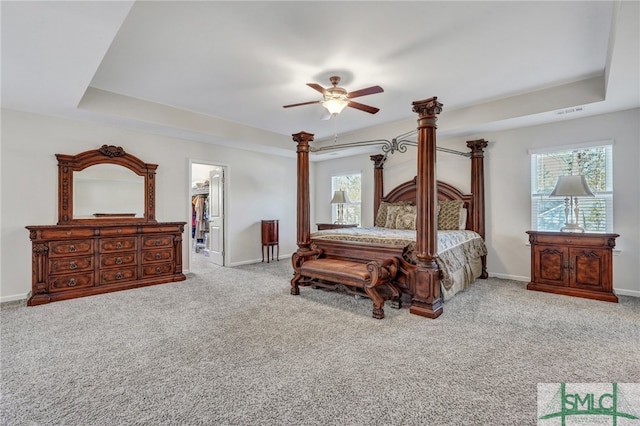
(427, 242)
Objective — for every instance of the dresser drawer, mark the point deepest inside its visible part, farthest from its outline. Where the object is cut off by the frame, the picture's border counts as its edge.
(66, 248)
(157, 269)
(111, 276)
(149, 256)
(117, 231)
(117, 244)
(118, 259)
(54, 233)
(68, 282)
(157, 241)
(70, 264)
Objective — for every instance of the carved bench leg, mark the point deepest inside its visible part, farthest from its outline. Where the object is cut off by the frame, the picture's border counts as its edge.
(381, 274)
(297, 259)
(295, 290)
(378, 302)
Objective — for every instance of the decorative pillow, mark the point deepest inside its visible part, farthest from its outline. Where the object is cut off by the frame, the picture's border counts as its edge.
(449, 214)
(463, 219)
(394, 211)
(406, 221)
(381, 217)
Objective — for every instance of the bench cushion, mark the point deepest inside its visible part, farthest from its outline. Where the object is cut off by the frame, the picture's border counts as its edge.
(344, 271)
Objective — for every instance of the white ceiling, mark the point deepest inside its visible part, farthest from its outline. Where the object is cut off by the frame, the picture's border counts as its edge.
(220, 72)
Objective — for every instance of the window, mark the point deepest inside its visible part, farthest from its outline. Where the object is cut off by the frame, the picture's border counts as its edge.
(595, 163)
(352, 184)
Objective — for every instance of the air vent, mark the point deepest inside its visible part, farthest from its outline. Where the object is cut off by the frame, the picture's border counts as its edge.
(569, 110)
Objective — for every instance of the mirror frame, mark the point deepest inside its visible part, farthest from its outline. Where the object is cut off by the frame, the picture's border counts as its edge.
(106, 154)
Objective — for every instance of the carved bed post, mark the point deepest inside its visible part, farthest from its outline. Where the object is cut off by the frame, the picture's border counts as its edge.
(427, 300)
(477, 191)
(303, 208)
(378, 164)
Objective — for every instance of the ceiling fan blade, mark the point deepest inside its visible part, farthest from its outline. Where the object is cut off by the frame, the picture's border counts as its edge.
(316, 87)
(362, 92)
(362, 107)
(300, 104)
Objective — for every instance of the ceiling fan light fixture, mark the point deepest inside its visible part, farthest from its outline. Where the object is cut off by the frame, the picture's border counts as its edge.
(335, 105)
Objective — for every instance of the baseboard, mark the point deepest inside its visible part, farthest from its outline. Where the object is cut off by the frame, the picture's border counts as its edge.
(623, 292)
(15, 298)
(618, 291)
(250, 262)
(510, 277)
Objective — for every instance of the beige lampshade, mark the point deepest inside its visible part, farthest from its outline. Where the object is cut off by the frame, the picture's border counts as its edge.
(340, 197)
(571, 186)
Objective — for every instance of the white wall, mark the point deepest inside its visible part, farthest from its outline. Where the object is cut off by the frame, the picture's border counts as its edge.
(507, 180)
(260, 187)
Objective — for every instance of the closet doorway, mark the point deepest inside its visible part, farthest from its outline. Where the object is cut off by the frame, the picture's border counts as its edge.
(207, 225)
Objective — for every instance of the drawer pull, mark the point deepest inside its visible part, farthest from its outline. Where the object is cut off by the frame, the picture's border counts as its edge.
(73, 265)
(118, 261)
(72, 282)
(72, 248)
(158, 242)
(158, 270)
(119, 276)
(567, 240)
(118, 245)
(158, 256)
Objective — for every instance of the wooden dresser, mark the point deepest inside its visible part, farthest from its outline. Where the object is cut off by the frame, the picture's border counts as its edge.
(573, 264)
(107, 237)
(82, 260)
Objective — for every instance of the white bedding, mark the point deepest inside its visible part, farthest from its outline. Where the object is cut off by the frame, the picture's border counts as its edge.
(459, 252)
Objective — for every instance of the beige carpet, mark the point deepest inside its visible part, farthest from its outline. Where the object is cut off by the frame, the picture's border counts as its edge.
(231, 346)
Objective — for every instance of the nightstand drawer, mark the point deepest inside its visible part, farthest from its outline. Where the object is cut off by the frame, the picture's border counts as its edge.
(588, 240)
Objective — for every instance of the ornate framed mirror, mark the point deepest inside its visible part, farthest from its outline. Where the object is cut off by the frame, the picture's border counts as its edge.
(106, 185)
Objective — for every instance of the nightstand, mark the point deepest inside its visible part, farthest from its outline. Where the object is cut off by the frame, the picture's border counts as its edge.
(322, 226)
(573, 264)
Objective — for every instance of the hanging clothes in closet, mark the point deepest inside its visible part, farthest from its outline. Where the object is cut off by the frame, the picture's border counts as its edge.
(199, 216)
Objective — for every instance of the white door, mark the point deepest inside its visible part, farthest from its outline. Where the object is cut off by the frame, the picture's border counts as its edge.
(216, 216)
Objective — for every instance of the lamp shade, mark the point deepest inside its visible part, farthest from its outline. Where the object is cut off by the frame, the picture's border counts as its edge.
(335, 105)
(340, 197)
(571, 186)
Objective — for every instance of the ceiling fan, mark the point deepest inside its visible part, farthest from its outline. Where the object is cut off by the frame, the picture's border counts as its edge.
(335, 98)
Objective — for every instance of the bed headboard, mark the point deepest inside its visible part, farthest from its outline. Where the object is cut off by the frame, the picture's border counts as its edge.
(407, 191)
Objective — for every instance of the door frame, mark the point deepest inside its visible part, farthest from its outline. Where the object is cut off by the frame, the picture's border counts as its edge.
(225, 209)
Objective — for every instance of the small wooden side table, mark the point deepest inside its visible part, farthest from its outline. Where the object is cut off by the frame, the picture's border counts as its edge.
(270, 233)
(573, 264)
(322, 226)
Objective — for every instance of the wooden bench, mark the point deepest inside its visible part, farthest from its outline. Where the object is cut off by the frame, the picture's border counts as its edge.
(375, 278)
